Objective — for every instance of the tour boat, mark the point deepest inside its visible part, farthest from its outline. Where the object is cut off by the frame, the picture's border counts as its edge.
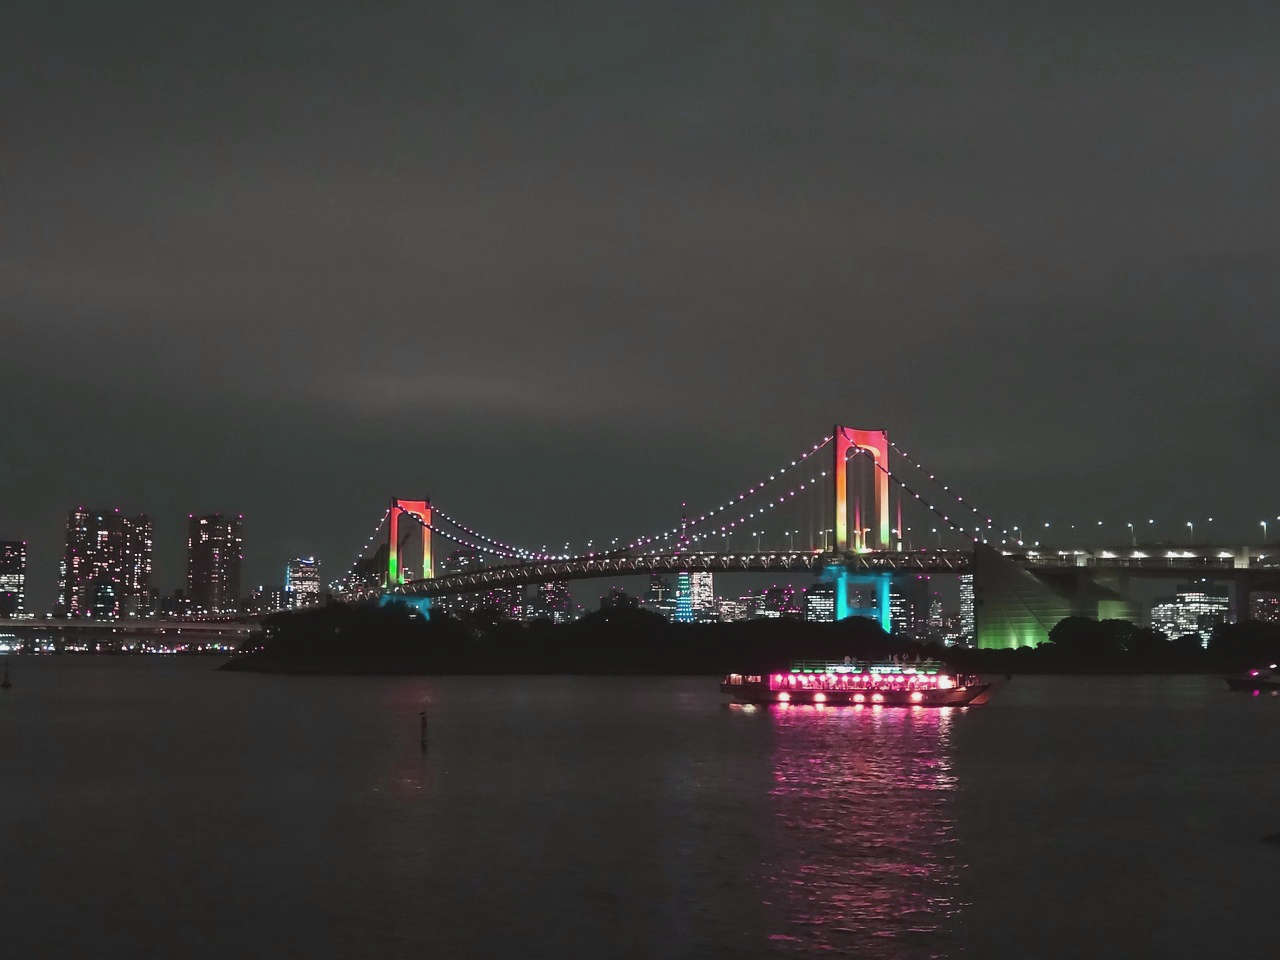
(882, 683)
(1255, 681)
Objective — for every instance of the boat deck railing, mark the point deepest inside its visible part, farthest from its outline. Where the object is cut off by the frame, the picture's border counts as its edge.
(868, 666)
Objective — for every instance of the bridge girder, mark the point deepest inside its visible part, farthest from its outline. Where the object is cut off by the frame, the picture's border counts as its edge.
(645, 564)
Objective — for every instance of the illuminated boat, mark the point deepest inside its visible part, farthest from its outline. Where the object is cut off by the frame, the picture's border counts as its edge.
(1256, 681)
(881, 683)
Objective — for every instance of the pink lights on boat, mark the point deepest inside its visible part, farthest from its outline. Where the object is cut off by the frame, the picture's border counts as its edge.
(877, 698)
(916, 696)
(859, 698)
(783, 697)
(852, 679)
(819, 698)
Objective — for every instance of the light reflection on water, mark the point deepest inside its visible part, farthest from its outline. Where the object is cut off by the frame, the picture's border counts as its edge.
(864, 858)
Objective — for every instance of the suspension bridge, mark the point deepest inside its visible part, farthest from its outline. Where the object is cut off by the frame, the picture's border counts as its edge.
(843, 488)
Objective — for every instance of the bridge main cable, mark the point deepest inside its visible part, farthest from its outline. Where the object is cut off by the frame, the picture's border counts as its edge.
(645, 540)
(511, 549)
(505, 554)
(902, 484)
(346, 579)
(968, 504)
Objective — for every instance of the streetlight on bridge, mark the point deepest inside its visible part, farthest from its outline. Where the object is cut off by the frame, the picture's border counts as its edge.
(1264, 530)
(1133, 535)
(1191, 532)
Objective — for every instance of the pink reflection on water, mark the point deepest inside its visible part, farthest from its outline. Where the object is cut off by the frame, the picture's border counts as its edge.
(862, 860)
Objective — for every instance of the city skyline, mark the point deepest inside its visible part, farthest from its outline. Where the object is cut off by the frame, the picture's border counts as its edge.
(266, 569)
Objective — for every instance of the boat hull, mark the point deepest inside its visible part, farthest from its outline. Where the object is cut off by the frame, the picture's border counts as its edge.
(1250, 684)
(759, 693)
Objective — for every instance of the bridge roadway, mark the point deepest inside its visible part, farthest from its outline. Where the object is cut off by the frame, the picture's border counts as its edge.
(629, 565)
(1144, 560)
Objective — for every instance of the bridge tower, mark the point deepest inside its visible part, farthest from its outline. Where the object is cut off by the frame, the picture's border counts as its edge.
(421, 509)
(874, 443)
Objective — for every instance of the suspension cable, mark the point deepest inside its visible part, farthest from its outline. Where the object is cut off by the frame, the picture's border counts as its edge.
(968, 504)
(361, 554)
(728, 504)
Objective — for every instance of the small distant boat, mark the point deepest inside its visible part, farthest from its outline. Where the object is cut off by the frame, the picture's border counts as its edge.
(1256, 681)
(886, 683)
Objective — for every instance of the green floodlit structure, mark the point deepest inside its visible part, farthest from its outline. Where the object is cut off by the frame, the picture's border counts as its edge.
(1016, 607)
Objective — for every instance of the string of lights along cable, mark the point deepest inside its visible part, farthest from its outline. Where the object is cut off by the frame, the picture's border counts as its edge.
(768, 509)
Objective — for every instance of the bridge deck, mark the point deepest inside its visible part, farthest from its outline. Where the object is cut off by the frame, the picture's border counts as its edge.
(1156, 561)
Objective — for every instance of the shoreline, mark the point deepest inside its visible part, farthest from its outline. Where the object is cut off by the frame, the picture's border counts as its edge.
(350, 666)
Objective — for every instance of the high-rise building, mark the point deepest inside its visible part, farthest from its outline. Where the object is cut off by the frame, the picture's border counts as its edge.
(106, 567)
(554, 602)
(215, 551)
(302, 582)
(1196, 608)
(13, 578)
(702, 596)
(138, 600)
(966, 608)
(901, 610)
(684, 597)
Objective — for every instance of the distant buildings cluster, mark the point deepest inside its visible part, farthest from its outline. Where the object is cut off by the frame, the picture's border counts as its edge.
(1199, 607)
(106, 571)
(917, 610)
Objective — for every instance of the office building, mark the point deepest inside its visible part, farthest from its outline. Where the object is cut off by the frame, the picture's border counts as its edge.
(302, 582)
(702, 596)
(820, 603)
(729, 610)
(13, 578)
(215, 552)
(1194, 609)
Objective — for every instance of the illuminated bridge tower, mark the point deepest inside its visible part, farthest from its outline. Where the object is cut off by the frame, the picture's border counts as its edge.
(847, 443)
(396, 573)
(873, 443)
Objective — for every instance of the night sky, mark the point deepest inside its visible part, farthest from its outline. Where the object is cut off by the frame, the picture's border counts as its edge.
(560, 265)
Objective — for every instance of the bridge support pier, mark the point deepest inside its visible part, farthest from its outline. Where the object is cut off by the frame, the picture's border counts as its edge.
(842, 580)
(421, 604)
